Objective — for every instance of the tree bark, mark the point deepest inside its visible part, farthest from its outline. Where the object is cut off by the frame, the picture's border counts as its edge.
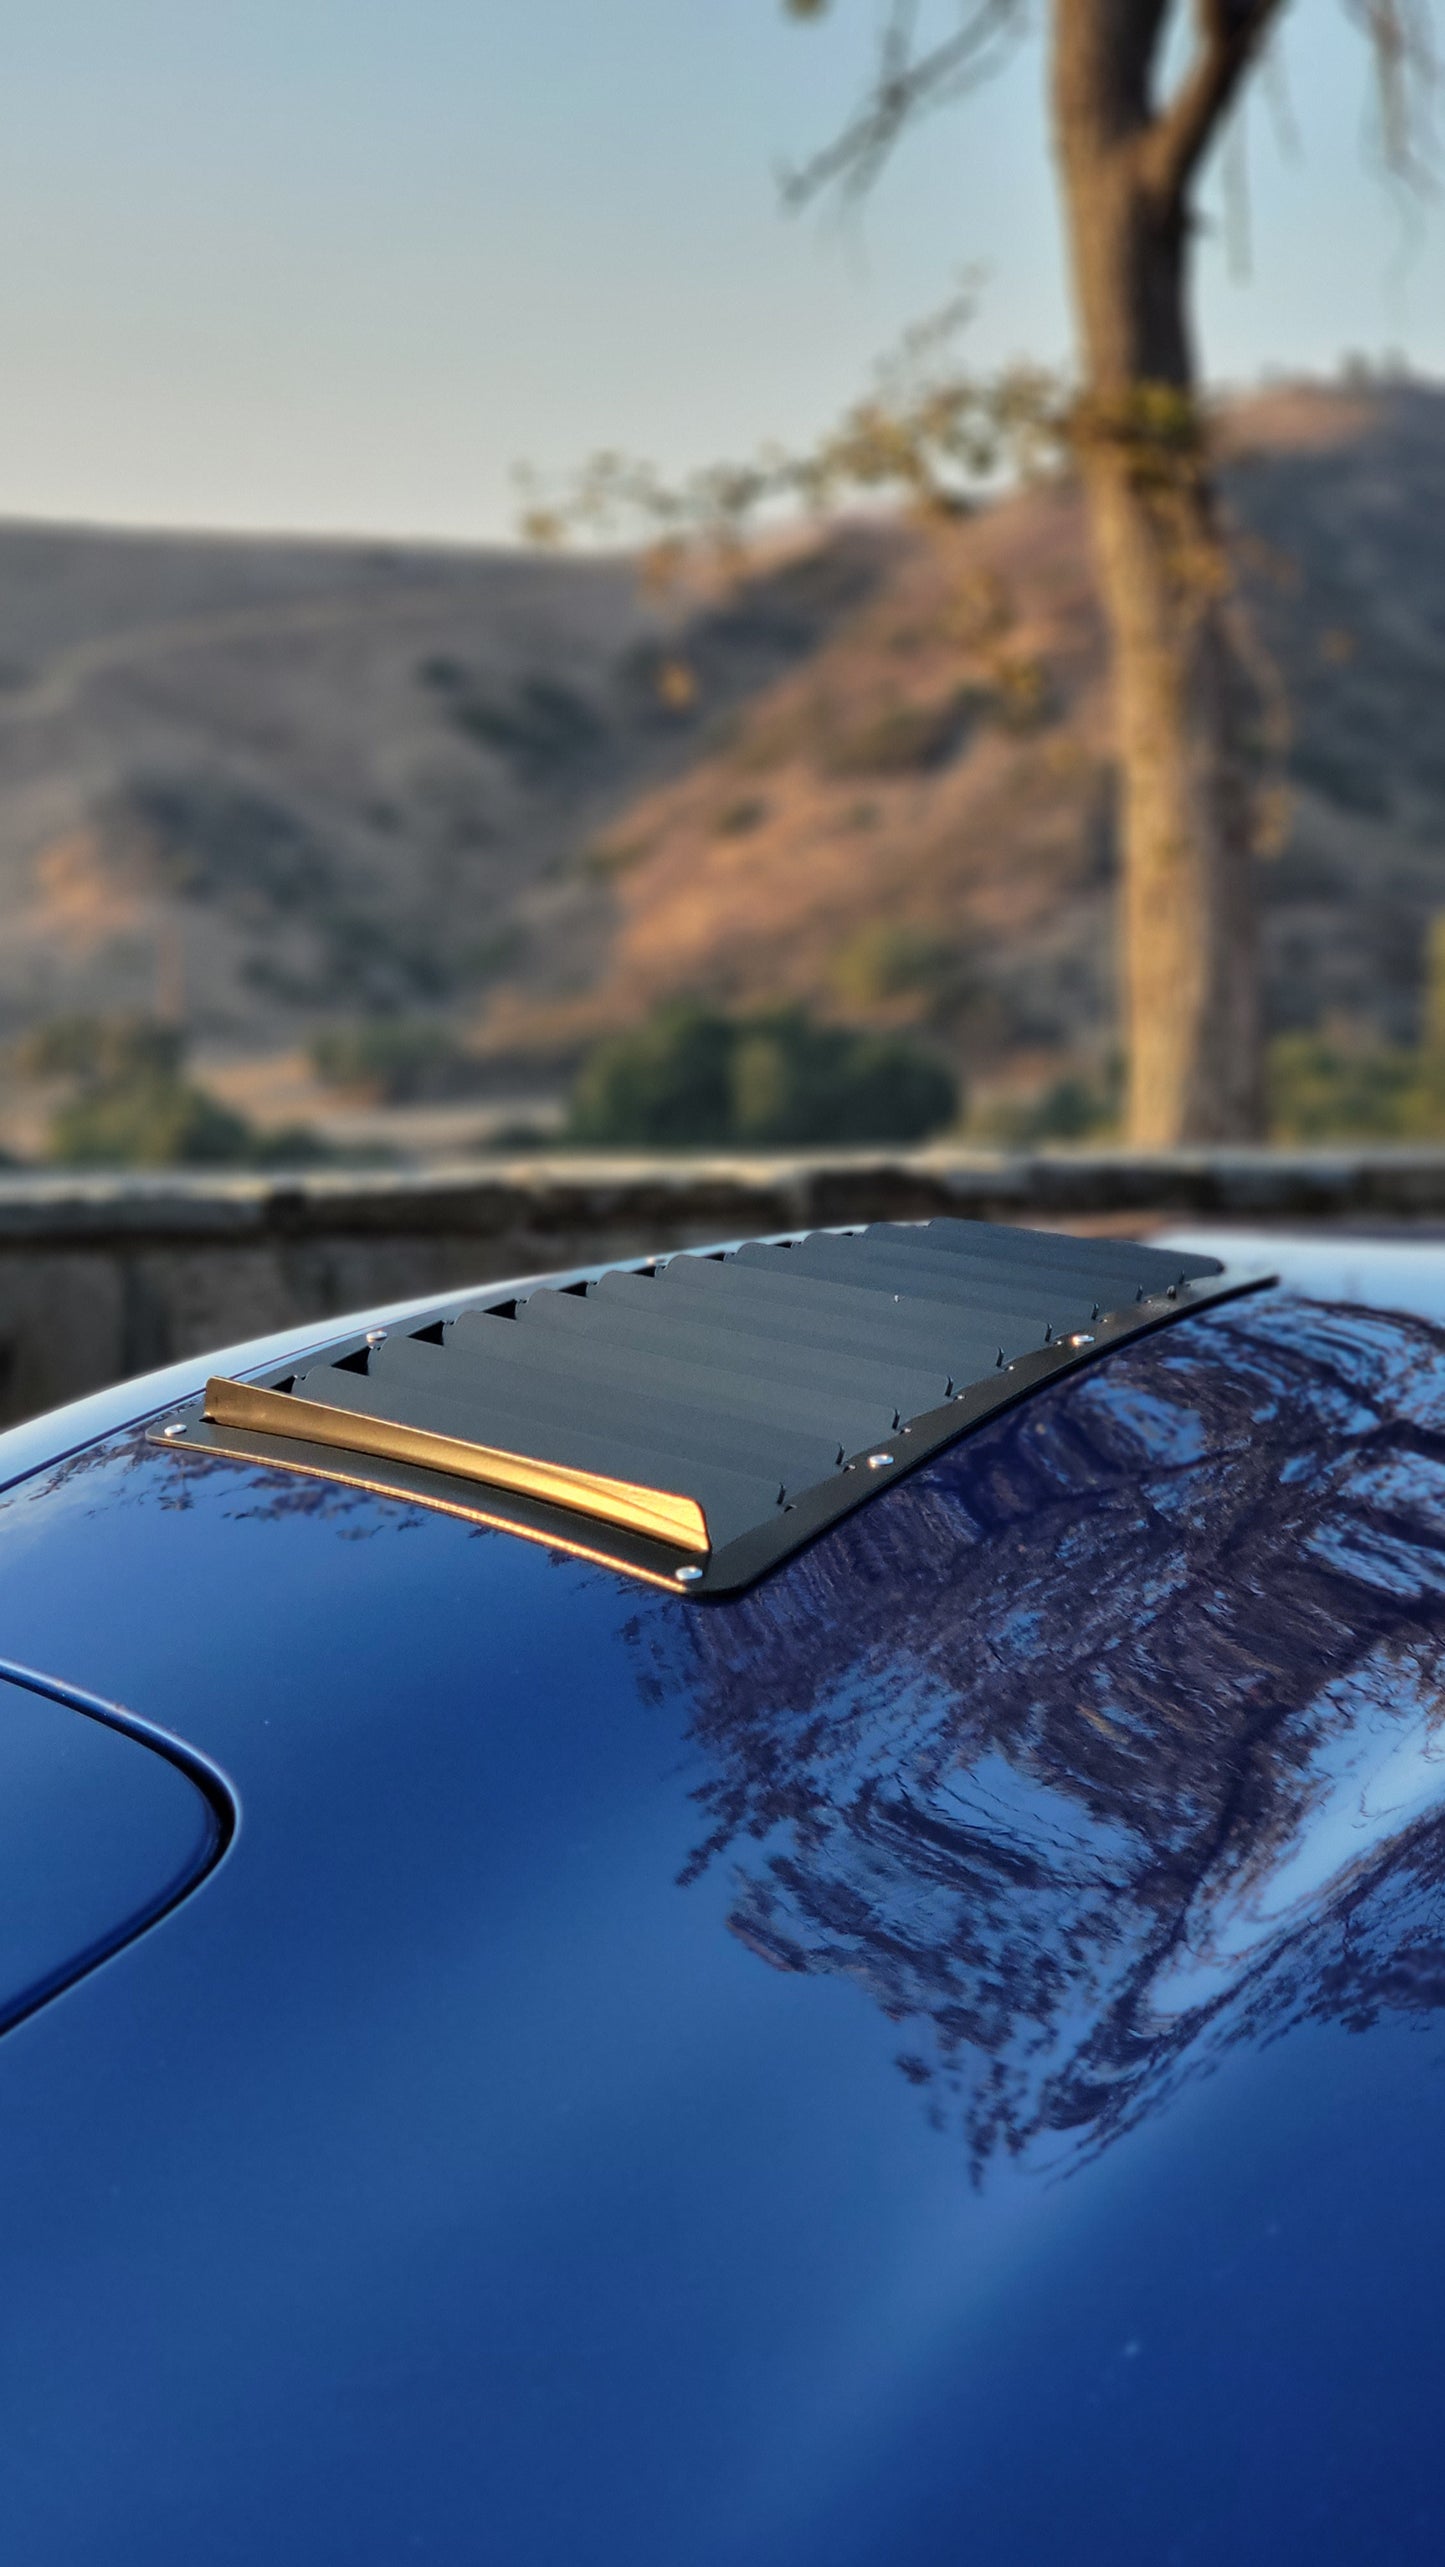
(1183, 696)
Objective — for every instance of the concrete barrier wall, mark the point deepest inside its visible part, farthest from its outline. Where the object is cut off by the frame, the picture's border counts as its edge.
(102, 1277)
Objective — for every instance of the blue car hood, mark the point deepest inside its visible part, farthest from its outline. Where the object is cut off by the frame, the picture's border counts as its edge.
(937, 2057)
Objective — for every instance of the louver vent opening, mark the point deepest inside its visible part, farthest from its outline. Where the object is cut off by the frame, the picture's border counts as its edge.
(694, 1421)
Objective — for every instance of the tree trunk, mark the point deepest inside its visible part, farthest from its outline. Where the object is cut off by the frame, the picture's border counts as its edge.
(1184, 703)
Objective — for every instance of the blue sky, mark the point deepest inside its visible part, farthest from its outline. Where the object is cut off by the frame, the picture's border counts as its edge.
(339, 264)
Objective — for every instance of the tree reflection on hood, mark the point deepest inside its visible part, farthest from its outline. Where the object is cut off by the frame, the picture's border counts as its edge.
(1115, 1734)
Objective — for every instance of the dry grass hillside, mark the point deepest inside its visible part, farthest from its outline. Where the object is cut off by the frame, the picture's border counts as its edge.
(257, 783)
(263, 786)
(918, 825)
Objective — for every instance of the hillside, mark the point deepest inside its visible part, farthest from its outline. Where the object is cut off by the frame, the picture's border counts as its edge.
(263, 785)
(259, 782)
(919, 823)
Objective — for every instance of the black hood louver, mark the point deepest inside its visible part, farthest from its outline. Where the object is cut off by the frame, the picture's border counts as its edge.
(696, 1420)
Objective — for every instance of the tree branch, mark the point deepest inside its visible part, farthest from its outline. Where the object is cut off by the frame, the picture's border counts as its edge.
(1229, 33)
(906, 83)
(1406, 72)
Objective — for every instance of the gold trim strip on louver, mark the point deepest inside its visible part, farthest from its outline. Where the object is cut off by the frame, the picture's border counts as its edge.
(658, 1512)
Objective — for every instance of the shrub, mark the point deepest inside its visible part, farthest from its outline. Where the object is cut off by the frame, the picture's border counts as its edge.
(1324, 1090)
(543, 728)
(148, 1120)
(208, 839)
(102, 1050)
(737, 819)
(885, 962)
(391, 1060)
(1076, 1107)
(134, 1107)
(904, 739)
(607, 857)
(667, 1086)
(694, 1079)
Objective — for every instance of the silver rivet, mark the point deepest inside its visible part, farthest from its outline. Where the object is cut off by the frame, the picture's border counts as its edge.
(879, 1461)
(688, 1577)
(171, 1431)
(1082, 1338)
(376, 1336)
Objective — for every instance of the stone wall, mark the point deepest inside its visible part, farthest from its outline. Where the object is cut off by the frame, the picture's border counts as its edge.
(102, 1277)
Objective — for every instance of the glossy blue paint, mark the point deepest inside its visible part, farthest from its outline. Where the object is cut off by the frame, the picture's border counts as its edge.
(98, 1834)
(938, 2057)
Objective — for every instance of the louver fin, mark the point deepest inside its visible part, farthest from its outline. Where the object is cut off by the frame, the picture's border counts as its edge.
(698, 1419)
